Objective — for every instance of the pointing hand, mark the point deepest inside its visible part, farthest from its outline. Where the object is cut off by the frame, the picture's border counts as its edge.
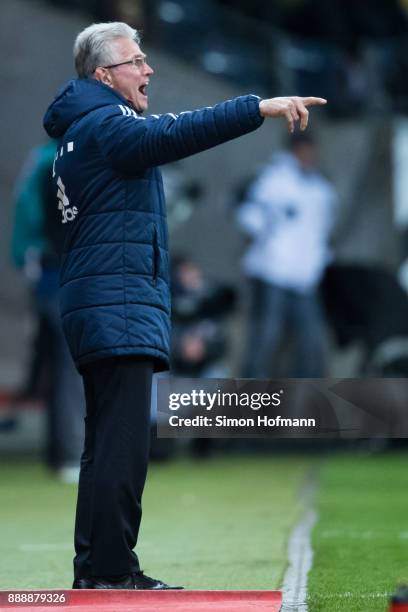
(293, 108)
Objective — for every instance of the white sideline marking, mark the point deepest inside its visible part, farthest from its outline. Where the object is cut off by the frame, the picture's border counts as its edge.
(300, 557)
(349, 594)
(363, 535)
(45, 547)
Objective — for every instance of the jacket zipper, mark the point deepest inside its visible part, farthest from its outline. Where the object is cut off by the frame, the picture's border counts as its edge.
(156, 255)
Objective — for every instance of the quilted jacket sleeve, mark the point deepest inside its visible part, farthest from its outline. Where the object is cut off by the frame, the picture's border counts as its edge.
(131, 143)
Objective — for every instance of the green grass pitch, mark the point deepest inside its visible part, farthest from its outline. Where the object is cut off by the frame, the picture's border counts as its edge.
(225, 523)
(361, 539)
(221, 524)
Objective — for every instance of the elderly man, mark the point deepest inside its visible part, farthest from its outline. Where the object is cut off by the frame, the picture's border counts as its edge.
(114, 289)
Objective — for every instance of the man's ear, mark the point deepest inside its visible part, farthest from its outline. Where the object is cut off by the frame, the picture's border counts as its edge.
(103, 75)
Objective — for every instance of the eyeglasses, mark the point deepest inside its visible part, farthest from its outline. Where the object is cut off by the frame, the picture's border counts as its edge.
(138, 62)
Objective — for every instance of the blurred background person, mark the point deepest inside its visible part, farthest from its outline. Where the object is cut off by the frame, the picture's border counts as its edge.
(34, 255)
(36, 248)
(199, 311)
(200, 336)
(200, 332)
(288, 214)
(183, 194)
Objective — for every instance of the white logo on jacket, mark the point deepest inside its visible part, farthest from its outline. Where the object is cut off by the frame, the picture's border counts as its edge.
(68, 213)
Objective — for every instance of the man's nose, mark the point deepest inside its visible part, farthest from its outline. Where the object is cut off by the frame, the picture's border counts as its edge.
(148, 69)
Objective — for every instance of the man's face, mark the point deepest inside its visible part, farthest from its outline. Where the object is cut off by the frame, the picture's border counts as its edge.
(306, 154)
(129, 80)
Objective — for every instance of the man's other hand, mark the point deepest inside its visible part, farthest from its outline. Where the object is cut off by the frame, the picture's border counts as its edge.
(293, 108)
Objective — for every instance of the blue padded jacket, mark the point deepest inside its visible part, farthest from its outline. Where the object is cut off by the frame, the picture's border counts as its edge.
(114, 281)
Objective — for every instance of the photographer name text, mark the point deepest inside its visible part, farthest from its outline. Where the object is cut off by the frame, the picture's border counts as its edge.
(223, 421)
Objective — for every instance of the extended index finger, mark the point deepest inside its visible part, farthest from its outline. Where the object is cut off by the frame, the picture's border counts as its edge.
(311, 101)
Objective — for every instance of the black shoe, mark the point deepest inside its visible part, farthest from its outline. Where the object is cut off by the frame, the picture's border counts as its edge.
(137, 581)
(143, 582)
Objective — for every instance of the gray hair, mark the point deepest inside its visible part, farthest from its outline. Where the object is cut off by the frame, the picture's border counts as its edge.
(93, 46)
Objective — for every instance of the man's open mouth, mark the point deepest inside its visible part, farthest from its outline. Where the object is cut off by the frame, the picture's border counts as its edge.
(142, 89)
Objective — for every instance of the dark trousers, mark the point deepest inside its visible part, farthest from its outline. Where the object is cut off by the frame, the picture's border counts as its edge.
(113, 466)
(274, 310)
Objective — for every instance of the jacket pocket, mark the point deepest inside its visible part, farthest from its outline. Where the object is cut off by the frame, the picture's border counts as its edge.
(156, 255)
